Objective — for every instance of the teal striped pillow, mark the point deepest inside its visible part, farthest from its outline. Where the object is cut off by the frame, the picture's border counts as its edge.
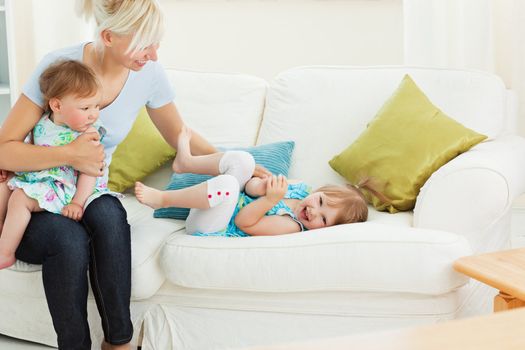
(275, 157)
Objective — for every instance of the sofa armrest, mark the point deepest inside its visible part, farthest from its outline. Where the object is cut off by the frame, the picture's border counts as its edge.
(474, 190)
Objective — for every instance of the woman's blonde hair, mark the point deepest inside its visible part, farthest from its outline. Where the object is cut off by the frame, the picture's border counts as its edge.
(350, 200)
(67, 77)
(141, 18)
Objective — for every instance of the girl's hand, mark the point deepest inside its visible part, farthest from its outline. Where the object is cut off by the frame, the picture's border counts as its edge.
(73, 211)
(276, 187)
(4, 175)
(87, 154)
(261, 171)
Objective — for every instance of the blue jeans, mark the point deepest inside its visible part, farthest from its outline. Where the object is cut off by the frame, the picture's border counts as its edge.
(67, 250)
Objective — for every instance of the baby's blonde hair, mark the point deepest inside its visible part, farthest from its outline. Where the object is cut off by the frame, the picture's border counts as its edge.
(67, 77)
(141, 18)
(350, 200)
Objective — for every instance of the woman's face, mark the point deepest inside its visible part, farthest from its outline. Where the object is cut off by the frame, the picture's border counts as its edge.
(131, 60)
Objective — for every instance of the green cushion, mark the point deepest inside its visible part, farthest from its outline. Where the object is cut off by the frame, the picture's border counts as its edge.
(402, 146)
(142, 152)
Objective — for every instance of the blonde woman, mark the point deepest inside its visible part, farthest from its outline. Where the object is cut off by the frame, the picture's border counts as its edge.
(123, 57)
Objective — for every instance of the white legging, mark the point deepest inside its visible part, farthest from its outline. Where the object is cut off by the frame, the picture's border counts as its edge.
(236, 168)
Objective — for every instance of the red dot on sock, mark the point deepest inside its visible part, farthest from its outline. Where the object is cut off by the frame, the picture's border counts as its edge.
(209, 196)
(218, 193)
(227, 193)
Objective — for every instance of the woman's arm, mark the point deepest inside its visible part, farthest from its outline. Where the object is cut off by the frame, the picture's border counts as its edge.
(83, 153)
(169, 122)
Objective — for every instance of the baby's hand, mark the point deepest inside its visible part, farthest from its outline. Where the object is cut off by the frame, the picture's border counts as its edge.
(276, 187)
(73, 211)
(4, 175)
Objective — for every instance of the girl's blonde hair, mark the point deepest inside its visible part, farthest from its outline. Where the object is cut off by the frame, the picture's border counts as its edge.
(67, 77)
(141, 18)
(350, 200)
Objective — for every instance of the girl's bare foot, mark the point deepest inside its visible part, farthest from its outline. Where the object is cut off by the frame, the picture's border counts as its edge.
(256, 187)
(149, 196)
(6, 260)
(183, 151)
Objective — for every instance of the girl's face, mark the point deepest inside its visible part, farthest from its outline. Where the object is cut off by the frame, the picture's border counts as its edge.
(132, 60)
(315, 212)
(78, 113)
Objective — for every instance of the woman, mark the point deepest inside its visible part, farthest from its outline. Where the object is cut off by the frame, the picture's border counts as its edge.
(124, 59)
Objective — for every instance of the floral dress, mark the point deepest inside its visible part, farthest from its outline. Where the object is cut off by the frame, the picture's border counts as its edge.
(295, 191)
(54, 188)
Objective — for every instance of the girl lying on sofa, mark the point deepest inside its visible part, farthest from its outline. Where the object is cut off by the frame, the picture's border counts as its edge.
(268, 206)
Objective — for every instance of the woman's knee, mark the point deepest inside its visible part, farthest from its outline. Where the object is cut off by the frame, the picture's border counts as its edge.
(71, 242)
(106, 218)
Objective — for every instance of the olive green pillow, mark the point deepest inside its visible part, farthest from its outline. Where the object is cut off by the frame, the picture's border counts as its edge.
(402, 146)
(142, 152)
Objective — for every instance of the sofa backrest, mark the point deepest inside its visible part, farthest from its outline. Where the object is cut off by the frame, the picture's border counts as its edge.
(225, 108)
(324, 109)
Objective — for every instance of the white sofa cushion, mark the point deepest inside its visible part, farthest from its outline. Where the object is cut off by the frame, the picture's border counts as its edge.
(339, 258)
(324, 109)
(225, 108)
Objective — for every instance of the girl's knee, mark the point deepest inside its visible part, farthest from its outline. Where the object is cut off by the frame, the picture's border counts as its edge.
(20, 198)
(222, 188)
(239, 164)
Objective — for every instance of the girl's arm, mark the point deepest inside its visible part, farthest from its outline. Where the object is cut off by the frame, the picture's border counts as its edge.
(169, 122)
(82, 154)
(252, 219)
(85, 186)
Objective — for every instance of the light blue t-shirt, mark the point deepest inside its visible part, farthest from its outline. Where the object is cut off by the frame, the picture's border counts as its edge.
(148, 87)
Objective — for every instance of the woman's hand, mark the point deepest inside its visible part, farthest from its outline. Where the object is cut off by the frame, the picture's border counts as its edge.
(276, 187)
(87, 154)
(261, 171)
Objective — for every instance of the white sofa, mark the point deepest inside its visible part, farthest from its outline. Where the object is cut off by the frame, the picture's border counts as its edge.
(394, 270)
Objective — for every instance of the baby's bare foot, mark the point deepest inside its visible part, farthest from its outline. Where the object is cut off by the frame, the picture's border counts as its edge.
(256, 187)
(183, 151)
(6, 260)
(149, 196)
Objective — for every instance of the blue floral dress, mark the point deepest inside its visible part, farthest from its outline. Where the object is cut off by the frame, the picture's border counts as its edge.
(295, 191)
(54, 188)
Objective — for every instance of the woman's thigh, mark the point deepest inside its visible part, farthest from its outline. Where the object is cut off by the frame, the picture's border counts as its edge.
(49, 234)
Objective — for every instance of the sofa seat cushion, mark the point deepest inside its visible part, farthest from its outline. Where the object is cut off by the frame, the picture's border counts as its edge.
(364, 257)
(147, 237)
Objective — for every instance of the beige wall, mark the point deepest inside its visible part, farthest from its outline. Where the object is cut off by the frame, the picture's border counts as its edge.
(249, 36)
(266, 37)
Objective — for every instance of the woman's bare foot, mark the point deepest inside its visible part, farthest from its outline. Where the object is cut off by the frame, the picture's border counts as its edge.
(149, 196)
(256, 187)
(183, 157)
(6, 260)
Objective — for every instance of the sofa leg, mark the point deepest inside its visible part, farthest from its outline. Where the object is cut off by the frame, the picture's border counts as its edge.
(141, 336)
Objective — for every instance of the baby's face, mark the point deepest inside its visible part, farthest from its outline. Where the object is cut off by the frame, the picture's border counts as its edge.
(79, 113)
(315, 212)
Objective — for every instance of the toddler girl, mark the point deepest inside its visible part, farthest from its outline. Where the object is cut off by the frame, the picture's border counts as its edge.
(220, 208)
(72, 94)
